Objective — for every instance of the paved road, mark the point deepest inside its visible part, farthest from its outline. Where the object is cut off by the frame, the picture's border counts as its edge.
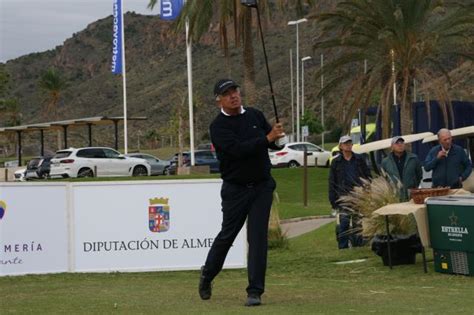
(301, 226)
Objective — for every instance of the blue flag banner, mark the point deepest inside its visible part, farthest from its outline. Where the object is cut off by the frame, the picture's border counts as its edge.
(117, 38)
(170, 9)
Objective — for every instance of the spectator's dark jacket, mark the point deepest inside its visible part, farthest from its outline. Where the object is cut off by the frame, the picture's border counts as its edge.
(412, 172)
(447, 171)
(339, 183)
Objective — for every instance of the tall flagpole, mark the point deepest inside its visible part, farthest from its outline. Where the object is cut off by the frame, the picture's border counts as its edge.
(124, 85)
(190, 92)
(170, 10)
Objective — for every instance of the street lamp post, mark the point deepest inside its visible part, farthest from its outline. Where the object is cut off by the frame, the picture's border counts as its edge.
(298, 131)
(302, 83)
(322, 101)
(292, 98)
(392, 53)
(302, 87)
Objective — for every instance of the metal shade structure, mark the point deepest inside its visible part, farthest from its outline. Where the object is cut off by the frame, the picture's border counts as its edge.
(455, 133)
(387, 143)
(64, 125)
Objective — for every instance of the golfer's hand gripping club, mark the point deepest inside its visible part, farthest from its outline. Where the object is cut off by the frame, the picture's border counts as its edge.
(276, 133)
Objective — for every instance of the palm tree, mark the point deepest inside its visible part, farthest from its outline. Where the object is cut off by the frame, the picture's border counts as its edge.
(53, 85)
(203, 13)
(4, 80)
(9, 108)
(151, 136)
(10, 114)
(401, 41)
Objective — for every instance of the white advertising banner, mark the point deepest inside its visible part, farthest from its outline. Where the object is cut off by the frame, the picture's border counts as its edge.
(151, 225)
(33, 228)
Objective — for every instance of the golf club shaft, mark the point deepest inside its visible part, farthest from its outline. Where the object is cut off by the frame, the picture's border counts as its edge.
(266, 63)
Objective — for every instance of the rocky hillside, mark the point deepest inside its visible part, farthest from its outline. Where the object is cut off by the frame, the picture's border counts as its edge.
(156, 73)
(157, 77)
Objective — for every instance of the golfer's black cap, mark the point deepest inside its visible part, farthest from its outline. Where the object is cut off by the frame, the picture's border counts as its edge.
(223, 85)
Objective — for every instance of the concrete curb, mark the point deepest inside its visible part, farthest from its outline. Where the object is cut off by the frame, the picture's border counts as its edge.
(299, 226)
(312, 217)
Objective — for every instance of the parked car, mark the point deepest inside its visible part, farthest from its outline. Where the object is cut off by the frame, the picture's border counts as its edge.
(292, 155)
(85, 162)
(158, 167)
(206, 146)
(202, 157)
(38, 168)
(20, 175)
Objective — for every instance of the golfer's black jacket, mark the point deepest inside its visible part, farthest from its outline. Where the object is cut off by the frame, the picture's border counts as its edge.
(242, 146)
(344, 175)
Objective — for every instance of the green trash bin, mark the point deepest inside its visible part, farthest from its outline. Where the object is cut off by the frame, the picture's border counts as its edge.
(451, 225)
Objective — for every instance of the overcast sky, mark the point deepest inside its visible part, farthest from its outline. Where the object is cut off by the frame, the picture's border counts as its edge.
(28, 26)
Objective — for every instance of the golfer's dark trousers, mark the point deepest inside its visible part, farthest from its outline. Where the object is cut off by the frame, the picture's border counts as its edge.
(254, 201)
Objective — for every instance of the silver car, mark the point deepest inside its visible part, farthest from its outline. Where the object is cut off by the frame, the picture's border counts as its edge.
(158, 167)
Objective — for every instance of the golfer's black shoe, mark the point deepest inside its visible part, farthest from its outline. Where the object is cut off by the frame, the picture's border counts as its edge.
(205, 286)
(253, 300)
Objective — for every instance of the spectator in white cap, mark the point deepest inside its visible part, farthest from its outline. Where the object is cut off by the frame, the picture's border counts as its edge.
(403, 167)
(347, 170)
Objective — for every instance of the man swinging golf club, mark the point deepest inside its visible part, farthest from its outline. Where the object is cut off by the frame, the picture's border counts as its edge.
(241, 137)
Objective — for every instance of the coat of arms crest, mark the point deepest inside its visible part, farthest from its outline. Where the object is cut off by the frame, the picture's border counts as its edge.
(159, 215)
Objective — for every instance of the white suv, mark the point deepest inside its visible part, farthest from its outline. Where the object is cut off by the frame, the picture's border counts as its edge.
(96, 162)
(292, 155)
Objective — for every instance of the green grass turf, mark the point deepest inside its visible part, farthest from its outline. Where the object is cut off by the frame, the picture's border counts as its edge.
(290, 191)
(300, 280)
